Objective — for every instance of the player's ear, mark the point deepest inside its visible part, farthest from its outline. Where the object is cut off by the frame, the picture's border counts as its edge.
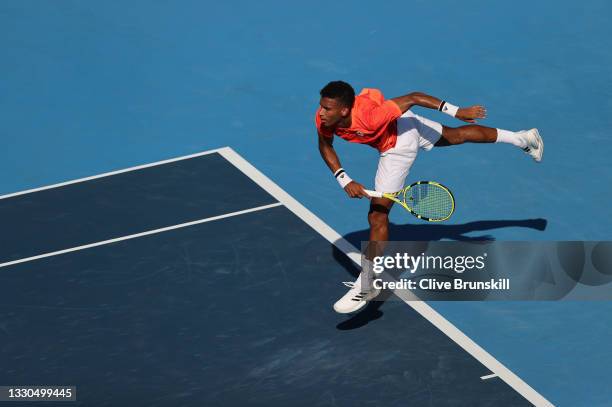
(345, 111)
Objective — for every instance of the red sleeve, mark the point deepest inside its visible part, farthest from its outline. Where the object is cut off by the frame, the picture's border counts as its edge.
(324, 131)
(373, 94)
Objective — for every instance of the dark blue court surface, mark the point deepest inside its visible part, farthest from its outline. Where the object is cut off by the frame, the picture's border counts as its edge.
(227, 311)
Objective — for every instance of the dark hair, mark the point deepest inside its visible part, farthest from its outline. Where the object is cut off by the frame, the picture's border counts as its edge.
(339, 90)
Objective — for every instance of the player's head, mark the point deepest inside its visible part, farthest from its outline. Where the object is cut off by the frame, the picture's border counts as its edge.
(337, 100)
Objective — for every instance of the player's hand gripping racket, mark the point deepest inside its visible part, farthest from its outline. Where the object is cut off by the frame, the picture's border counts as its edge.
(427, 200)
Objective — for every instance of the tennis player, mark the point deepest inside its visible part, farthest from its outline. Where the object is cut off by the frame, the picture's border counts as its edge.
(389, 126)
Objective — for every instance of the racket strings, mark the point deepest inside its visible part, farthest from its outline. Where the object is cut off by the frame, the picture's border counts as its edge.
(429, 200)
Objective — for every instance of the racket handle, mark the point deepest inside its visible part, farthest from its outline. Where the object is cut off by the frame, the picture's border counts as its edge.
(374, 194)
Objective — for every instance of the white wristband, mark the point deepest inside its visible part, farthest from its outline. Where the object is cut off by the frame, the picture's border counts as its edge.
(449, 109)
(342, 177)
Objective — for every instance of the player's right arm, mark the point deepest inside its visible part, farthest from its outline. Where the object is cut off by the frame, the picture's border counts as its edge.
(328, 153)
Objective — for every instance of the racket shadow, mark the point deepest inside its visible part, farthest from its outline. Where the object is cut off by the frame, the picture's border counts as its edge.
(420, 233)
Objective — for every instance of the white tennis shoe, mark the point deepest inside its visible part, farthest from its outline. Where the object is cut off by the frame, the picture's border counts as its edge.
(357, 297)
(535, 144)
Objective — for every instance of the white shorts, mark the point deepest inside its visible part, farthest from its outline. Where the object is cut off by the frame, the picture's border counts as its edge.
(413, 132)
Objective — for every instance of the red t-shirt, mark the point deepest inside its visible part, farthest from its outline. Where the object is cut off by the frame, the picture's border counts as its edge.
(373, 121)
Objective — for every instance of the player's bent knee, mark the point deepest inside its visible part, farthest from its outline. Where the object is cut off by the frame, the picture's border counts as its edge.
(451, 136)
(378, 218)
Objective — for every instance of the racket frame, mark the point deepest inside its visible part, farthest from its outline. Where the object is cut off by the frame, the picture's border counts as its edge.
(404, 204)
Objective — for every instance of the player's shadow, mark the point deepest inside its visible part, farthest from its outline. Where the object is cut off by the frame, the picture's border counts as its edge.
(420, 233)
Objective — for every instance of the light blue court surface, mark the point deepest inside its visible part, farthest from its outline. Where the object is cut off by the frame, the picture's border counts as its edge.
(87, 88)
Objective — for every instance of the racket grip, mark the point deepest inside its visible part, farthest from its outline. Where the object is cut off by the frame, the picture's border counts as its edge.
(374, 194)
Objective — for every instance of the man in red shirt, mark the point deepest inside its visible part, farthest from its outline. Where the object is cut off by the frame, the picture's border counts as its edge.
(398, 134)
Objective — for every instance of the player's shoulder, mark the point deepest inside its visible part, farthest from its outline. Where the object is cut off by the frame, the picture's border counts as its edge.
(368, 102)
(371, 94)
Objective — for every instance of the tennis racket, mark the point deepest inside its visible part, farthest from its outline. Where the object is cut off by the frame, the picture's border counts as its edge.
(427, 200)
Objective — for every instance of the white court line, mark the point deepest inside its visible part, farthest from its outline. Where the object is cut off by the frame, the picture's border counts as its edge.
(108, 174)
(141, 234)
(487, 377)
(421, 307)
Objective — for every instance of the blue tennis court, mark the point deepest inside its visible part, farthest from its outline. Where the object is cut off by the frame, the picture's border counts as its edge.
(189, 283)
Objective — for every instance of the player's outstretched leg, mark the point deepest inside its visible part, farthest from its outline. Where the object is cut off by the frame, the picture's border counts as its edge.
(362, 290)
(527, 140)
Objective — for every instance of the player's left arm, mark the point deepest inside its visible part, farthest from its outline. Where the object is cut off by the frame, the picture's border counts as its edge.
(467, 114)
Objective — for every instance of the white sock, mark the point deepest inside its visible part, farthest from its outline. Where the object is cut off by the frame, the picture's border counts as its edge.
(511, 137)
